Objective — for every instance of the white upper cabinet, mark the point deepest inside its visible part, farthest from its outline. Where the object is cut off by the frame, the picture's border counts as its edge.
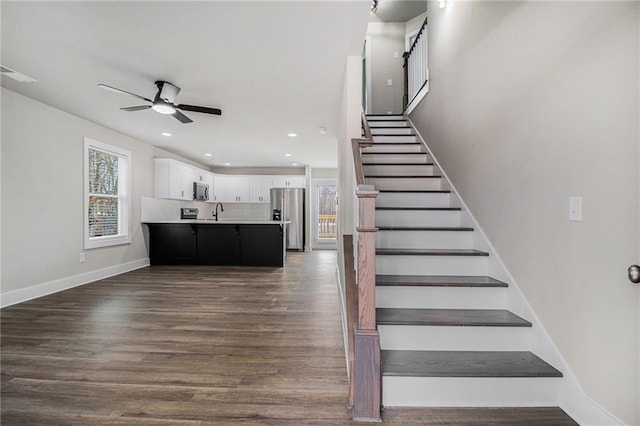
(220, 189)
(174, 179)
(208, 180)
(288, 181)
(231, 189)
(239, 189)
(261, 188)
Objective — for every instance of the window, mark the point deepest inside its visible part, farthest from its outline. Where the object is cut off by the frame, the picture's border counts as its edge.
(107, 195)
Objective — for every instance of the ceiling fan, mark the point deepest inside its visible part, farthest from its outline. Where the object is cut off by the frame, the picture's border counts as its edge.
(163, 102)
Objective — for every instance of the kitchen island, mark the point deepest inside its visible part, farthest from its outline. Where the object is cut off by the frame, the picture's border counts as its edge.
(210, 242)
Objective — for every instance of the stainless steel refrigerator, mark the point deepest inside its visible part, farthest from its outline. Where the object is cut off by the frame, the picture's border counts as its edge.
(288, 204)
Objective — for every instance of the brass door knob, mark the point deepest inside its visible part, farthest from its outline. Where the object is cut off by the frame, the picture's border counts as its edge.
(634, 274)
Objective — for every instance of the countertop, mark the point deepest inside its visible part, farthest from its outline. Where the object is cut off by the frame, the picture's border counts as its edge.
(221, 221)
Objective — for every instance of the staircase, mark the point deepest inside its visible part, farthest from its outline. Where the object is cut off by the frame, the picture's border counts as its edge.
(446, 336)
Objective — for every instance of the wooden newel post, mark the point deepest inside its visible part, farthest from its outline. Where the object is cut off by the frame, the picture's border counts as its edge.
(367, 372)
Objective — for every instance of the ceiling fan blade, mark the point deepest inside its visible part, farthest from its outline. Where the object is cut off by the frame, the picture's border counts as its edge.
(196, 108)
(115, 89)
(136, 108)
(181, 117)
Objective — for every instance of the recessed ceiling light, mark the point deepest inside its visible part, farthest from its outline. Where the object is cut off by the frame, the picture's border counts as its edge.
(208, 154)
(288, 155)
(227, 164)
(322, 130)
(292, 135)
(294, 164)
(165, 134)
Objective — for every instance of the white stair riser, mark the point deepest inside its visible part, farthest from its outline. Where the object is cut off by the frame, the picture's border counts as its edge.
(421, 170)
(417, 217)
(437, 338)
(374, 117)
(393, 147)
(391, 131)
(394, 139)
(425, 183)
(395, 158)
(394, 123)
(470, 392)
(441, 297)
(431, 265)
(400, 199)
(425, 239)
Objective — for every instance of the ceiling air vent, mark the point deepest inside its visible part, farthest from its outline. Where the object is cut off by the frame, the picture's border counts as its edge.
(8, 72)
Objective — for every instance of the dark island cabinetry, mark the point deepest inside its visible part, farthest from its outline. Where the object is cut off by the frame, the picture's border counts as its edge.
(216, 244)
(172, 244)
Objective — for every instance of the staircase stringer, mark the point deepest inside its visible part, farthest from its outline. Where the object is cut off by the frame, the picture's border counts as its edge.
(572, 397)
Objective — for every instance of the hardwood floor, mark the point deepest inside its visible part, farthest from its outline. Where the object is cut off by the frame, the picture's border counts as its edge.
(193, 346)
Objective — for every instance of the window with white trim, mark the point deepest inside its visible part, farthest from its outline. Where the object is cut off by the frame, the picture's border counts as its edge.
(107, 195)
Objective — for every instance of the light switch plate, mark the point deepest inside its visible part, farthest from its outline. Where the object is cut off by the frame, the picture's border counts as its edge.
(389, 82)
(575, 209)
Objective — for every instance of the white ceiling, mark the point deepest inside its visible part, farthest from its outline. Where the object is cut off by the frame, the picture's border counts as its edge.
(273, 67)
(398, 10)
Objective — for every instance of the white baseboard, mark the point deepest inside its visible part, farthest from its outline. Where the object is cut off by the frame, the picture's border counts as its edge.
(22, 295)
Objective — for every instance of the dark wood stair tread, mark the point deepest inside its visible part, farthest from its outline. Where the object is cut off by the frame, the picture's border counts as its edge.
(404, 176)
(417, 191)
(419, 208)
(438, 281)
(392, 134)
(429, 252)
(425, 228)
(450, 317)
(394, 153)
(398, 164)
(465, 364)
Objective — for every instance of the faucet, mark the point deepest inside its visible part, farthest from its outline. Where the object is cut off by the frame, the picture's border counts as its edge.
(215, 213)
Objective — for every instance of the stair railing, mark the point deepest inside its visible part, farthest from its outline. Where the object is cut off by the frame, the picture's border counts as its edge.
(365, 388)
(415, 67)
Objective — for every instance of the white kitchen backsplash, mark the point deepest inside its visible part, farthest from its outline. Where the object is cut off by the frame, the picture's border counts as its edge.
(164, 209)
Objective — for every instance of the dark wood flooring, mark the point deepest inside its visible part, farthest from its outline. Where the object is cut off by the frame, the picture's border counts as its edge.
(195, 346)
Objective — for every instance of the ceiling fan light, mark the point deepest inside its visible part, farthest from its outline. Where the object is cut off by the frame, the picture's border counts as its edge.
(163, 108)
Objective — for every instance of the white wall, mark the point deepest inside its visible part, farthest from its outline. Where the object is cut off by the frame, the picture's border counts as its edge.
(530, 103)
(384, 39)
(42, 194)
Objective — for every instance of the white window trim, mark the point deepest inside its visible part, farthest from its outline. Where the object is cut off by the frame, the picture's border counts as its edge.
(125, 236)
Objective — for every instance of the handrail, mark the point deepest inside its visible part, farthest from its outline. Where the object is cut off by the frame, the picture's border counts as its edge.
(415, 41)
(356, 144)
(365, 127)
(415, 67)
(367, 381)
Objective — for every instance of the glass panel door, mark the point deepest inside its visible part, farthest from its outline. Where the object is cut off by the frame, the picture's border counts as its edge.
(325, 214)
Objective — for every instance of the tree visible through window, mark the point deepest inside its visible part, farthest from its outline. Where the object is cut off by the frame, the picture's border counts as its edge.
(106, 195)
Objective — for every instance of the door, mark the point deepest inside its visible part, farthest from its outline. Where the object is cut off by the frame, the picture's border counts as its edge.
(325, 226)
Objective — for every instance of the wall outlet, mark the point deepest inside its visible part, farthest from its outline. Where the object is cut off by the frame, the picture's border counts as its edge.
(389, 82)
(82, 258)
(396, 54)
(575, 209)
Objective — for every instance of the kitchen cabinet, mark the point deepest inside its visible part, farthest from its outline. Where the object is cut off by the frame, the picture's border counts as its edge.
(173, 179)
(231, 189)
(288, 182)
(215, 243)
(218, 245)
(261, 188)
(261, 245)
(172, 244)
(208, 180)
(239, 189)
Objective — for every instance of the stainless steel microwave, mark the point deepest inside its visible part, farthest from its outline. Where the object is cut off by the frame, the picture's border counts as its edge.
(200, 191)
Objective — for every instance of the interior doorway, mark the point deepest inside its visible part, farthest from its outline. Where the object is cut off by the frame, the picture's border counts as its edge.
(324, 217)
